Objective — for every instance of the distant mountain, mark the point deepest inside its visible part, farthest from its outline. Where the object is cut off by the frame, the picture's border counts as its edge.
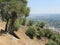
(52, 19)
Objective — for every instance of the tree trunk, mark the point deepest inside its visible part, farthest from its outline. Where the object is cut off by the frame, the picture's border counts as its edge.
(10, 28)
(6, 26)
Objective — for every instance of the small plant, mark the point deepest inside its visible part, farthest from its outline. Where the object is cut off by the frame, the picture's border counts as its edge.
(16, 24)
(57, 38)
(23, 21)
(48, 33)
(31, 32)
(58, 41)
(45, 33)
(41, 33)
(30, 22)
(53, 37)
(51, 42)
(41, 24)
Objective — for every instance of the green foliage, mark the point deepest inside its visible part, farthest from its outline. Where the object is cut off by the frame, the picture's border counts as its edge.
(41, 24)
(27, 12)
(41, 33)
(30, 22)
(48, 33)
(55, 38)
(17, 24)
(23, 21)
(1, 1)
(50, 42)
(45, 33)
(31, 32)
(11, 10)
(18, 5)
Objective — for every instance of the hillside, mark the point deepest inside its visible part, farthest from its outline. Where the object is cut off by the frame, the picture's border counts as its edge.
(6, 39)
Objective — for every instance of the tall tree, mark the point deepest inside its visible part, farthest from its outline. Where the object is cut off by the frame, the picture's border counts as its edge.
(11, 10)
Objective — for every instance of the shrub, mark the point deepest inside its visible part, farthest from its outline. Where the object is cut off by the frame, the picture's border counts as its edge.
(23, 21)
(57, 38)
(31, 32)
(30, 22)
(51, 42)
(53, 37)
(16, 24)
(41, 33)
(58, 41)
(41, 24)
(48, 33)
(45, 33)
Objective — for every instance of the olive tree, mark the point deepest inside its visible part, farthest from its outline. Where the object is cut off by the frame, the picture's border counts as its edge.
(11, 10)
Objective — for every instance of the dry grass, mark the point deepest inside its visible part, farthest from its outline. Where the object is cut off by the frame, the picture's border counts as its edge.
(7, 39)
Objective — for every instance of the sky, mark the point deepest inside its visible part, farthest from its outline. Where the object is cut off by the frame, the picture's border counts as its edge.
(44, 6)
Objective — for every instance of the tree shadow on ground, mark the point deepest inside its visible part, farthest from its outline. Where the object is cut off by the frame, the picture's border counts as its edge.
(29, 35)
(4, 32)
(15, 35)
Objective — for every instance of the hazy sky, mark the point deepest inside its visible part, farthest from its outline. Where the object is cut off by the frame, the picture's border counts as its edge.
(44, 6)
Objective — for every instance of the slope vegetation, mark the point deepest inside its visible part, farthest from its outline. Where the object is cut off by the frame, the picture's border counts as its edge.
(6, 39)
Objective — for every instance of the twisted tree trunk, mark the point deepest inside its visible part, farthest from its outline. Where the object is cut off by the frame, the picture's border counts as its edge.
(6, 27)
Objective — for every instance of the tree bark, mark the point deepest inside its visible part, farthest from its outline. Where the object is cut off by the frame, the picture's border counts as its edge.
(6, 27)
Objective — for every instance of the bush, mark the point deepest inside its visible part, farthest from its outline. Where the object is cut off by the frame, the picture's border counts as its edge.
(45, 33)
(16, 24)
(41, 24)
(51, 42)
(57, 38)
(30, 22)
(48, 33)
(23, 21)
(41, 33)
(31, 32)
(58, 41)
(53, 37)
